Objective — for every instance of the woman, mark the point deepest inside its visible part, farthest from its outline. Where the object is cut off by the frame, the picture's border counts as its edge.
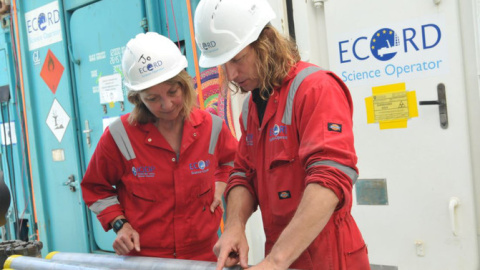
(158, 174)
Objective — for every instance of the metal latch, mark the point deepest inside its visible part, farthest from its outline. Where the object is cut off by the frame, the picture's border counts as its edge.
(71, 183)
(442, 105)
(87, 131)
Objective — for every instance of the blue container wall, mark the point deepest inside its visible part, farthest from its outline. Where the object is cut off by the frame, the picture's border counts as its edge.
(13, 165)
(66, 47)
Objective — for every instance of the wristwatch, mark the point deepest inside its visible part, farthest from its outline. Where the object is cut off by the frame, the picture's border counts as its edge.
(118, 224)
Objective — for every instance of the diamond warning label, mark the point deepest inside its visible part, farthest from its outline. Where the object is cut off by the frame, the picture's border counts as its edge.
(52, 71)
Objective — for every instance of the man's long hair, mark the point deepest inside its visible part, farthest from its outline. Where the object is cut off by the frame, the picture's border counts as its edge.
(275, 55)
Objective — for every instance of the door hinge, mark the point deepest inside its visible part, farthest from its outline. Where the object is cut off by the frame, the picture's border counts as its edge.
(144, 24)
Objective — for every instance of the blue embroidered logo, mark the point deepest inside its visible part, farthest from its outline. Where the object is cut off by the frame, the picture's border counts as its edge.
(144, 171)
(278, 132)
(199, 167)
(249, 139)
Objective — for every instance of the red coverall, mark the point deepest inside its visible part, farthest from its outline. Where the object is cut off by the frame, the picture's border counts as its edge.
(165, 198)
(276, 161)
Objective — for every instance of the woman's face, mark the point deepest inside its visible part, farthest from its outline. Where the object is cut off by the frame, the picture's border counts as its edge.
(163, 100)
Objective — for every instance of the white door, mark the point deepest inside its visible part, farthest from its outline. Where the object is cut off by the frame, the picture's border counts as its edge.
(415, 199)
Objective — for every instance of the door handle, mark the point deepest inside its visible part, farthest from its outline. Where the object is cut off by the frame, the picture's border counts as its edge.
(87, 131)
(71, 183)
(452, 205)
(442, 105)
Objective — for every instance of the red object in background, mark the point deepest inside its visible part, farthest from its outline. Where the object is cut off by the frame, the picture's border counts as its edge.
(52, 71)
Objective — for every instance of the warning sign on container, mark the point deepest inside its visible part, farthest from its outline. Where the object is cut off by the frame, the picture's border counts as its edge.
(390, 106)
(57, 120)
(52, 71)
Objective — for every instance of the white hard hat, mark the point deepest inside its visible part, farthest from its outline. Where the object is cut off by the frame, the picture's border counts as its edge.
(150, 59)
(225, 27)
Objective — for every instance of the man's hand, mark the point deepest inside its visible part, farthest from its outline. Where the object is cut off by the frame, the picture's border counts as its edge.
(232, 248)
(217, 197)
(267, 264)
(127, 239)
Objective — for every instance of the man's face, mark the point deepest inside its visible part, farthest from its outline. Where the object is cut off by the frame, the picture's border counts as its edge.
(241, 69)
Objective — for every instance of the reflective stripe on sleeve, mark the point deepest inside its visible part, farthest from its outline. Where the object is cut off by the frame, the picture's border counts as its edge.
(245, 110)
(120, 137)
(241, 174)
(345, 169)
(287, 114)
(227, 164)
(216, 128)
(103, 204)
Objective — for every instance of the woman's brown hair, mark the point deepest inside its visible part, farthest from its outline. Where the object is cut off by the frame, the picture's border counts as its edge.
(140, 113)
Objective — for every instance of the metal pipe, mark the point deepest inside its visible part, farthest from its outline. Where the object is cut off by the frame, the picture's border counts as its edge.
(133, 262)
(19, 262)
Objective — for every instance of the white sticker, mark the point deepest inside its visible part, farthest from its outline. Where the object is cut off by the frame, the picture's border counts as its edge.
(57, 120)
(43, 26)
(8, 130)
(108, 120)
(392, 52)
(110, 88)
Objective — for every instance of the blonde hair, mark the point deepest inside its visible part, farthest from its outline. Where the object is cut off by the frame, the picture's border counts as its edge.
(142, 115)
(276, 55)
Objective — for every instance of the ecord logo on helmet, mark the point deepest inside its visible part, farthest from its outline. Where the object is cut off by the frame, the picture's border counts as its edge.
(209, 45)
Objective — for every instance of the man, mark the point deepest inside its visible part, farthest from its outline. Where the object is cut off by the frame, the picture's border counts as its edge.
(296, 158)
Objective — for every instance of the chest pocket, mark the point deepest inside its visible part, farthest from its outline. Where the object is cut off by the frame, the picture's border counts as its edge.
(139, 190)
(289, 149)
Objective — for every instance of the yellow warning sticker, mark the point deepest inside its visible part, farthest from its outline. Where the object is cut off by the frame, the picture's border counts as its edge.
(390, 106)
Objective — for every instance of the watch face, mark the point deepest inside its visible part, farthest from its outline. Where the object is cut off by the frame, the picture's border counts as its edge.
(117, 225)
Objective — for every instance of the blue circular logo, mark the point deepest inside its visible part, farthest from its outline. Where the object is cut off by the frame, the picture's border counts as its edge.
(276, 130)
(134, 171)
(150, 67)
(42, 21)
(384, 44)
(201, 164)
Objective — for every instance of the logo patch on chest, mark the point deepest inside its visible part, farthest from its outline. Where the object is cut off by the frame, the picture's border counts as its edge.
(282, 195)
(277, 132)
(143, 171)
(335, 127)
(199, 167)
(249, 139)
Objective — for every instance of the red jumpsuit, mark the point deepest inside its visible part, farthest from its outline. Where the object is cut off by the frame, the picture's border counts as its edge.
(275, 161)
(165, 198)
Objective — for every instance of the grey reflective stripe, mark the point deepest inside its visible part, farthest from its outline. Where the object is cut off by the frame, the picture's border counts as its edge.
(227, 164)
(345, 169)
(216, 128)
(241, 174)
(245, 110)
(287, 114)
(103, 204)
(120, 137)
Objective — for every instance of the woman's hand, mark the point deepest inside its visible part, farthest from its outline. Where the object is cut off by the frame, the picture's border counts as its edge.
(217, 197)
